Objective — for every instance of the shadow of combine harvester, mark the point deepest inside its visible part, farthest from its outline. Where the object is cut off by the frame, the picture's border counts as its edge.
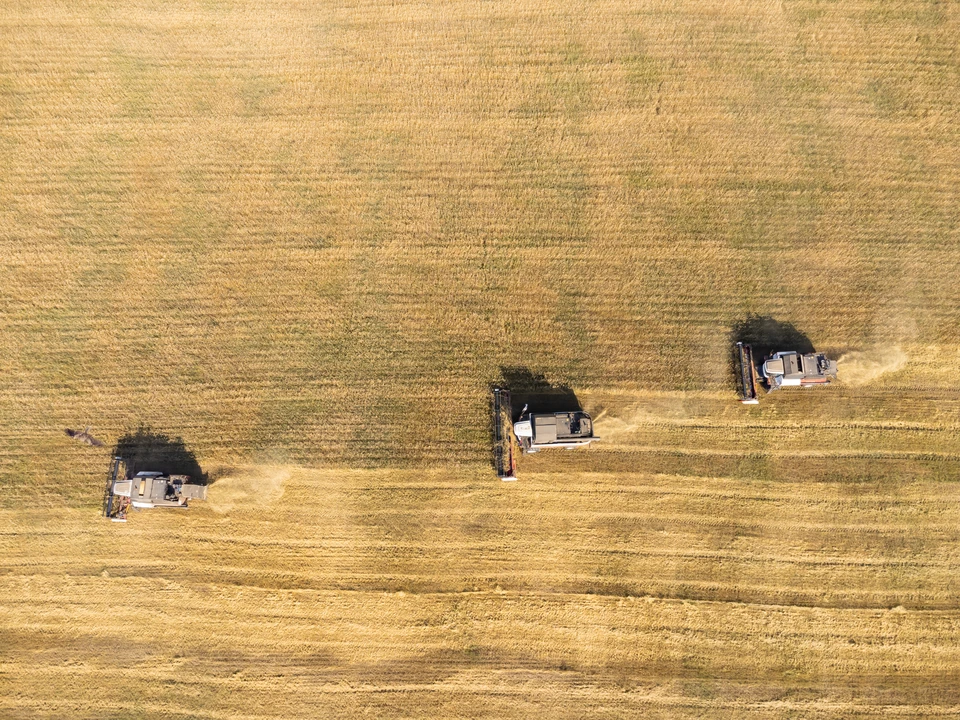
(522, 396)
(156, 455)
(536, 393)
(759, 336)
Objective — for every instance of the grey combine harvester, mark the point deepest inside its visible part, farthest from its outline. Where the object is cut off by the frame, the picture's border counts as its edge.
(791, 369)
(534, 432)
(781, 369)
(537, 431)
(146, 490)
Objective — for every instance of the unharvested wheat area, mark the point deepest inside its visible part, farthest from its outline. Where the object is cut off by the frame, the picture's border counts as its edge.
(306, 238)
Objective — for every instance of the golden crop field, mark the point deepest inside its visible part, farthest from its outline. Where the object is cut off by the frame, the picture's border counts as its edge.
(307, 237)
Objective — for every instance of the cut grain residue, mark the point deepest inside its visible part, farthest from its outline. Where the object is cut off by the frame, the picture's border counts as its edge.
(255, 486)
(864, 366)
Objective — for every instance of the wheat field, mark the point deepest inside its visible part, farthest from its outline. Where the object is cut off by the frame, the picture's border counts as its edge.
(307, 237)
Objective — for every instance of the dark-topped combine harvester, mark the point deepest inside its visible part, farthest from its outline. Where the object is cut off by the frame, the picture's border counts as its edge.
(537, 431)
(534, 432)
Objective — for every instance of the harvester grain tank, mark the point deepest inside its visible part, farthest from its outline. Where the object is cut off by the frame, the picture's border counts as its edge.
(504, 459)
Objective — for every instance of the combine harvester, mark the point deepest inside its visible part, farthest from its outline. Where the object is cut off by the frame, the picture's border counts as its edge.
(781, 369)
(146, 490)
(534, 432)
(791, 369)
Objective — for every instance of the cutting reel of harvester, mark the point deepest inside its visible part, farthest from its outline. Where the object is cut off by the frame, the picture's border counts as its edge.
(746, 375)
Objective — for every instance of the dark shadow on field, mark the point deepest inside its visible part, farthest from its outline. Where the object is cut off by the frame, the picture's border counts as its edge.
(766, 336)
(146, 450)
(535, 391)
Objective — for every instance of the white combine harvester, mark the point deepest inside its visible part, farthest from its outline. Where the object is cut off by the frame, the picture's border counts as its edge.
(538, 431)
(146, 490)
(781, 369)
(791, 369)
(534, 432)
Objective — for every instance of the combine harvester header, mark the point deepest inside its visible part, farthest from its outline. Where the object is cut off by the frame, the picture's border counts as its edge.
(746, 375)
(503, 459)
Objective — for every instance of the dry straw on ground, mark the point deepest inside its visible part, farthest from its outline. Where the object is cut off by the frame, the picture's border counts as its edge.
(306, 236)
